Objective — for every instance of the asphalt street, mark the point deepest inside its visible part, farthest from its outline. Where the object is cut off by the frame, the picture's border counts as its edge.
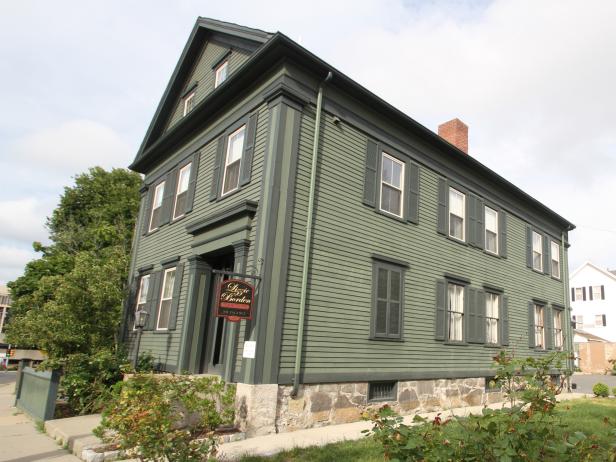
(585, 382)
(7, 377)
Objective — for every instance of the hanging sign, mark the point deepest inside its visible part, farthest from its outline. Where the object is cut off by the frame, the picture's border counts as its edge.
(235, 300)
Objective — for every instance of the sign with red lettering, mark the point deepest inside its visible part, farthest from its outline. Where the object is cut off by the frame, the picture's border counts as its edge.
(235, 300)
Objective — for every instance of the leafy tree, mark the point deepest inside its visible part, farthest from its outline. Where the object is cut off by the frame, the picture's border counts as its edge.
(70, 300)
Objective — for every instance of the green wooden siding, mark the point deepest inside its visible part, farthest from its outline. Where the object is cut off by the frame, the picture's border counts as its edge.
(347, 233)
(205, 75)
(172, 240)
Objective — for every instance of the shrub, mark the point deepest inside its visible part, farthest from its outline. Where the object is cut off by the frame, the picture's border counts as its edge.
(601, 390)
(614, 391)
(167, 417)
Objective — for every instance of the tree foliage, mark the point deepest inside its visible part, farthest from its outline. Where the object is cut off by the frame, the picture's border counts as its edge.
(70, 300)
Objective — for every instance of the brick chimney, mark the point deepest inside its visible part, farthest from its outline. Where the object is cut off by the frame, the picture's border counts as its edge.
(456, 132)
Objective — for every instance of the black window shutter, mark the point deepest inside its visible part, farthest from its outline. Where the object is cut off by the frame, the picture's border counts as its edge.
(502, 233)
(549, 327)
(412, 202)
(584, 293)
(147, 210)
(249, 149)
(602, 292)
(531, 325)
(177, 287)
(370, 176)
(572, 294)
(471, 220)
(168, 197)
(443, 205)
(217, 171)
(603, 319)
(155, 281)
(470, 314)
(529, 247)
(192, 183)
(480, 312)
(481, 229)
(504, 321)
(441, 310)
(590, 292)
(546, 254)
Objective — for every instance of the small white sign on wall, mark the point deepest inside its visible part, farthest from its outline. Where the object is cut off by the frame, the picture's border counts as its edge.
(250, 347)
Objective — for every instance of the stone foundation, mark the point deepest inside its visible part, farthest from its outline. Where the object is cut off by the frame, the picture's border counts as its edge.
(263, 409)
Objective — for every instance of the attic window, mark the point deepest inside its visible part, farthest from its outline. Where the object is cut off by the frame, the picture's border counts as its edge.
(189, 102)
(222, 72)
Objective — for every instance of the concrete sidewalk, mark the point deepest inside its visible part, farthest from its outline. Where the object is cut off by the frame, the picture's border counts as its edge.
(272, 444)
(20, 441)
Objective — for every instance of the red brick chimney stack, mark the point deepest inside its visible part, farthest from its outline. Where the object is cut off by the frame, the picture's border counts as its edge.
(456, 132)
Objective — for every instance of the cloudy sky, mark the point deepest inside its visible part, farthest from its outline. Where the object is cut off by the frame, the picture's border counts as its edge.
(534, 80)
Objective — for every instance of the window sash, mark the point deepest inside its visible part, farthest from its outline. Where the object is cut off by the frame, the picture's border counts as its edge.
(455, 312)
(222, 73)
(166, 298)
(596, 292)
(392, 185)
(157, 204)
(537, 251)
(457, 210)
(491, 237)
(142, 294)
(189, 103)
(233, 158)
(181, 192)
(492, 318)
(555, 251)
(579, 294)
(579, 321)
(558, 330)
(598, 320)
(539, 327)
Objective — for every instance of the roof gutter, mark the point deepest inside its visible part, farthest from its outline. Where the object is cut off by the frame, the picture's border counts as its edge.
(309, 225)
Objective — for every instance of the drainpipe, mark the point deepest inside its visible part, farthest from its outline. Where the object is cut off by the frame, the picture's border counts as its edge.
(306, 264)
(565, 277)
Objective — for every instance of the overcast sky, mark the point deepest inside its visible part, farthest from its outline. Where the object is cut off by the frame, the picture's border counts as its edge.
(534, 80)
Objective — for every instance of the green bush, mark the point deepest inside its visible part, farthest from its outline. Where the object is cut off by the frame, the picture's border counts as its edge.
(614, 391)
(167, 417)
(601, 390)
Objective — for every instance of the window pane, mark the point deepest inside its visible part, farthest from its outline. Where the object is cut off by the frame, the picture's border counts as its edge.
(163, 317)
(387, 169)
(158, 195)
(143, 289)
(537, 261)
(579, 294)
(491, 242)
(456, 227)
(382, 283)
(235, 146)
(394, 318)
(184, 178)
(391, 200)
(180, 204)
(381, 317)
(596, 292)
(394, 294)
(232, 177)
(456, 202)
(169, 280)
(537, 243)
(491, 220)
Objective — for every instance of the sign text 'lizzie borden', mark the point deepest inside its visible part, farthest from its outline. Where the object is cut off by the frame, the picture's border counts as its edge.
(235, 300)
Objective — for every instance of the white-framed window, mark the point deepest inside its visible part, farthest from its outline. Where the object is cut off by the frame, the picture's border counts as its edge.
(181, 192)
(392, 184)
(157, 204)
(233, 159)
(457, 210)
(579, 321)
(189, 103)
(579, 294)
(597, 293)
(222, 71)
(491, 238)
(142, 294)
(600, 320)
(456, 312)
(555, 251)
(539, 327)
(492, 308)
(558, 329)
(537, 251)
(166, 299)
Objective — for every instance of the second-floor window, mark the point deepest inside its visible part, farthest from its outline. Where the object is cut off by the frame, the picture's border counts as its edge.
(457, 206)
(600, 320)
(189, 103)
(539, 327)
(597, 293)
(555, 257)
(157, 204)
(491, 223)
(181, 193)
(233, 159)
(166, 299)
(142, 295)
(392, 185)
(579, 321)
(455, 312)
(222, 72)
(537, 251)
(492, 318)
(579, 294)
(558, 329)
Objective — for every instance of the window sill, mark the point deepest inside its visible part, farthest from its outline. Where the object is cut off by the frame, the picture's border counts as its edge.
(390, 215)
(556, 279)
(492, 254)
(161, 331)
(455, 343)
(456, 240)
(180, 218)
(537, 271)
(492, 346)
(149, 233)
(222, 197)
(386, 339)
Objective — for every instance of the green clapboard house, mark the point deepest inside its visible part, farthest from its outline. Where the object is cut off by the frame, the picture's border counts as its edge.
(388, 263)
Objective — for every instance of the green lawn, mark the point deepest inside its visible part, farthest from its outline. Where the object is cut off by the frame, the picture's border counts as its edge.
(585, 415)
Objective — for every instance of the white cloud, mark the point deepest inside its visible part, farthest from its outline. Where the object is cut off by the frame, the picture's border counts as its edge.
(12, 261)
(23, 220)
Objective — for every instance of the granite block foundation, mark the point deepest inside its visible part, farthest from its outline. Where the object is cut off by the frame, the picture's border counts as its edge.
(263, 409)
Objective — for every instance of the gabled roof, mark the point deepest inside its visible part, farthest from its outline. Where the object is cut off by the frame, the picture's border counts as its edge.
(609, 274)
(202, 29)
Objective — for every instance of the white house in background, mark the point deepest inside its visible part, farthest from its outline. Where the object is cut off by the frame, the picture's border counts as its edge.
(593, 300)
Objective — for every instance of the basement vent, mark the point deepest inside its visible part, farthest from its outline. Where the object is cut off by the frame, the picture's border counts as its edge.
(382, 391)
(492, 385)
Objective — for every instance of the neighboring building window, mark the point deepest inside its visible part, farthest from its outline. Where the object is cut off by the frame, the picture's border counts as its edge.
(579, 321)
(579, 294)
(235, 147)
(182, 191)
(455, 312)
(157, 205)
(599, 320)
(597, 292)
(142, 295)
(492, 302)
(221, 73)
(491, 222)
(558, 329)
(388, 301)
(457, 205)
(539, 327)
(166, 299)
(392, 185)
(555, 251)
(537, 251)
(189, 103)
